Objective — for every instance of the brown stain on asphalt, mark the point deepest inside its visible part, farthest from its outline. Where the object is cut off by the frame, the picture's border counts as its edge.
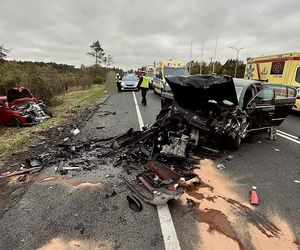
(219, 222)
(224, 219)
(67, 179)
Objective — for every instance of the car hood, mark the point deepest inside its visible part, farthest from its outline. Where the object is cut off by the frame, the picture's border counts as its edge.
(190, 92)
(14, 94)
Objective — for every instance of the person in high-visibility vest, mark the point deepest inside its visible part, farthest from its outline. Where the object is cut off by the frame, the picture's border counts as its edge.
(118, 82)
(144, 86)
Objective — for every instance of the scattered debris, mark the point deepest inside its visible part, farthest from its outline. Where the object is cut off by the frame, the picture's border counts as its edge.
(60, 129)
(75, 131)
(61, 170)
(21, 172)
(22, 178)
(80, 227)
(113, 193)
(100, 127)
(32, 162)
(134, 203)
(43, 155)
(105, 113)
(66, 139)
(254, 200)
(190, 202)
(220, 166)
(49, 178)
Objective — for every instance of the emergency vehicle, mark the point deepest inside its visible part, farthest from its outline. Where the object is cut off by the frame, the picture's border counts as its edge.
(167, 68)
(277, 69)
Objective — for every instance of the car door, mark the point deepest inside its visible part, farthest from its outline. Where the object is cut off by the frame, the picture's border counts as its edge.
(285, 98)
(4, 114)
(261, 109)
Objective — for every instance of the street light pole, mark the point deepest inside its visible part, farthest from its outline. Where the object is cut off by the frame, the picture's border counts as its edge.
(237, 58)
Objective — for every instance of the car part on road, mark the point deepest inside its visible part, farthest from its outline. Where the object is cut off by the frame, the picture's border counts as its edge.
(220, 167)
(19, 172)
(22, 178)
(32, 162)
(254, 200)
(75, 131)
(134, 203)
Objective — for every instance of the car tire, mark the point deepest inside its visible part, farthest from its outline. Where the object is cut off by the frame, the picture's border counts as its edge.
(2, 125)
(236, 142)
(15, 121)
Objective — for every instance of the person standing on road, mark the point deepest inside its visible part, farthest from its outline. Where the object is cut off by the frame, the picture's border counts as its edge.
(144, 86)
(118, 82)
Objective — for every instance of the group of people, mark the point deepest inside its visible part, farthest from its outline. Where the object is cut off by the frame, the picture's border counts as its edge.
(143, 85)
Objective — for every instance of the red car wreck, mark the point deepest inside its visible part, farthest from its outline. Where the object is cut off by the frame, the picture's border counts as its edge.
(20, 108)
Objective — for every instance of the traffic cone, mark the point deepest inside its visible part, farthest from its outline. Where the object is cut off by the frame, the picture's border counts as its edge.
(254, 200)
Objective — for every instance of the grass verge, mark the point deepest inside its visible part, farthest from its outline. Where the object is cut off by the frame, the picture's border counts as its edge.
(12, 139)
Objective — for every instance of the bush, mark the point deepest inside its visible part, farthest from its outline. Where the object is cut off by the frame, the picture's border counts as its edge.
(99, 80)
(47, 80)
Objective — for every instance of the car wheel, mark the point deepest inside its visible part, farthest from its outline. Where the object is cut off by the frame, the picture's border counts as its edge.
(236, 142)
(2, 125)
(15, 121)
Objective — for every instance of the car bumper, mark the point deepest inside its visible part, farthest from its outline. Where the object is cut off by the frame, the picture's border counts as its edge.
(128, 87)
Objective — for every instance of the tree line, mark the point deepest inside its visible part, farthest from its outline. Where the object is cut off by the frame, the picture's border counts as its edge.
(220, 69)
(48, 79)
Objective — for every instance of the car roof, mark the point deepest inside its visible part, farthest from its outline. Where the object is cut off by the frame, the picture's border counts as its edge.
(244, 82)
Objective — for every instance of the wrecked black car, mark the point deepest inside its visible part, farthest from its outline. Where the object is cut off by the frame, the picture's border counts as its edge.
(225, 106)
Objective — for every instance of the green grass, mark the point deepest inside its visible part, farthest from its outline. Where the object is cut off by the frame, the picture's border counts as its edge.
(12, 139)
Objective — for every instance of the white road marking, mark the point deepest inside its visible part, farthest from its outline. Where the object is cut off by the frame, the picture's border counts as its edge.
(288, 138)
(141, 123)
(166, 223)
(292, 136)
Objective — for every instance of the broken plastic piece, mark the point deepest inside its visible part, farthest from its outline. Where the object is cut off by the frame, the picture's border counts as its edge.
(75, 131)
(254, 200)
(134, 203)
(32, 162)
(220, 166)
(190, 202)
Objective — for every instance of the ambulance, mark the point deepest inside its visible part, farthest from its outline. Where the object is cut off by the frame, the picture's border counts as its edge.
(277, 69)
(167, 68)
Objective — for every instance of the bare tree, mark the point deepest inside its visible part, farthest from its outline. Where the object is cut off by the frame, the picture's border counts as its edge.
(108, 60)
(97, 52)
(3, 52)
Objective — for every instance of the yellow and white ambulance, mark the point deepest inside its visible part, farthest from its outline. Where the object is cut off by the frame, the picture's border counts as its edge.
(167, 68)
(277, 69)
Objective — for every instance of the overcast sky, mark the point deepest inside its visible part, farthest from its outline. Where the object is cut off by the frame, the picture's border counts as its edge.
(139, 32)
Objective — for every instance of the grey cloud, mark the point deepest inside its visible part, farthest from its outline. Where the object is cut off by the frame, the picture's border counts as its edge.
(139, 32)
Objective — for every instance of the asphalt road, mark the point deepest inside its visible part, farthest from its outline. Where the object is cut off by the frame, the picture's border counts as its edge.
(74, 212)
